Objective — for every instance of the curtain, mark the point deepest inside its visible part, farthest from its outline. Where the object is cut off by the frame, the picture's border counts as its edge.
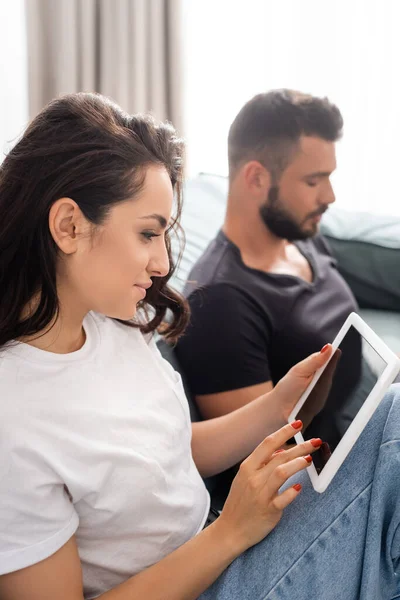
(13, 74)
(129, 50)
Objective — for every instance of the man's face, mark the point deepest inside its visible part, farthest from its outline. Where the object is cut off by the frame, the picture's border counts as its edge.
(293, 209)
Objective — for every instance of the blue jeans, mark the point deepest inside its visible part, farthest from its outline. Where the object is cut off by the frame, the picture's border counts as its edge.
(343, 544)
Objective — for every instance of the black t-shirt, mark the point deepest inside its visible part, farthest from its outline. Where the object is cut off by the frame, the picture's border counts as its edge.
(248, 327)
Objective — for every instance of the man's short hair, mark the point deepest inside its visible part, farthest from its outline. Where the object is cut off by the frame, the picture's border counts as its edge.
(268, 128)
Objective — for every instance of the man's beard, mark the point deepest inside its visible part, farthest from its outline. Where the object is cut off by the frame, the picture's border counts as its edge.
(280, 222)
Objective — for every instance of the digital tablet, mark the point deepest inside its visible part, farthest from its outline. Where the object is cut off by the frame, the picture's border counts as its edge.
(377, 366)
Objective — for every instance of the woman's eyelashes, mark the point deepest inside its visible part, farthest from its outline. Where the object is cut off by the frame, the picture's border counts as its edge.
(149, 235)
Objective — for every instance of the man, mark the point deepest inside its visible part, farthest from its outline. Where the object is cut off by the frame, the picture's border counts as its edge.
(266, 292)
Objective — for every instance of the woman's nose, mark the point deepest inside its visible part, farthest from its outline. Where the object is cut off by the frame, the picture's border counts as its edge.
(159, 266)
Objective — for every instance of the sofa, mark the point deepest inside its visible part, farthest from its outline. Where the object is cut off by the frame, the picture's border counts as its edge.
(366, 246)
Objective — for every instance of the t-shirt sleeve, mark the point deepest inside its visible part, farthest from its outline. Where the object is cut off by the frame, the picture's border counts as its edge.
(225, 346)
(36, 515)
(166, 363)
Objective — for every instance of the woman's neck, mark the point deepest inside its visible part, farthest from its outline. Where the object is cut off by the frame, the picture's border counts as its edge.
(64, 334)
(58, 338)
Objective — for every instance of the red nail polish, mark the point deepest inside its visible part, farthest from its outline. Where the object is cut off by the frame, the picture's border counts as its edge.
(297, 487)
(316, 442)
(325, 348)
(297, 424)
(308, 458)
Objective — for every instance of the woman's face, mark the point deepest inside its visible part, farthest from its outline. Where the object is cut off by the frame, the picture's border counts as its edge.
(109, 269)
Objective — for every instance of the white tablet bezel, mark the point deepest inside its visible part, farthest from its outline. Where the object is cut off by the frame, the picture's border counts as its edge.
(321, 481)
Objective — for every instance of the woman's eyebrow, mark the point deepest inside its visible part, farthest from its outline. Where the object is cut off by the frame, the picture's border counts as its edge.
(162, 220)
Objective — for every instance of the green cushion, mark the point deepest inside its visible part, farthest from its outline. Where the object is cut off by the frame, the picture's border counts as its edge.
(367, 248)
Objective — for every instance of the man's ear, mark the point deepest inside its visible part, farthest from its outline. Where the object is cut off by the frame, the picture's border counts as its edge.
(66, 224)
(257, 178)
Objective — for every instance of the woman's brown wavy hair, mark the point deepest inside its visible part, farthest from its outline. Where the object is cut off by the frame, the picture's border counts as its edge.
(84, 147)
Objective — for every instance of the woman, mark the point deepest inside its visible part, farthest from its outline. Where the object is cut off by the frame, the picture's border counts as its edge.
(100, 491)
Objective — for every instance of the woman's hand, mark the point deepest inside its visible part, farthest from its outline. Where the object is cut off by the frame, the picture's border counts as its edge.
(318, 396)
(220, 443)
(289, 389)
(254, 505)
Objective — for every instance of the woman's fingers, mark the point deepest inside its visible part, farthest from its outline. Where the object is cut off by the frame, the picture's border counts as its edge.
(298, 450)
(281, 501)
(307, 367)
(286, 463)
(264, 451)
(281, 473)
(254, 505)
(290, 388)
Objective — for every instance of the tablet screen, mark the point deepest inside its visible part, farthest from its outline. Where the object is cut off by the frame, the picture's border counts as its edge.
(325, 405)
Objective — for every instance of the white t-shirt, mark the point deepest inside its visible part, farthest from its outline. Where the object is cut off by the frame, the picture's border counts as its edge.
(96, 443)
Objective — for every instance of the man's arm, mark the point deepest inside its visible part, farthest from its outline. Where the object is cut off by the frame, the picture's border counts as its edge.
(224, 352)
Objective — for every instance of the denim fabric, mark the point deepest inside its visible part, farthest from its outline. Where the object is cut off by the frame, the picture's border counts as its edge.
(343, 544)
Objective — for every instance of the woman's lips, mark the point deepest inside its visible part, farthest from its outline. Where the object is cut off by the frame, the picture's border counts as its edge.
(142, 290)
(143, 287)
